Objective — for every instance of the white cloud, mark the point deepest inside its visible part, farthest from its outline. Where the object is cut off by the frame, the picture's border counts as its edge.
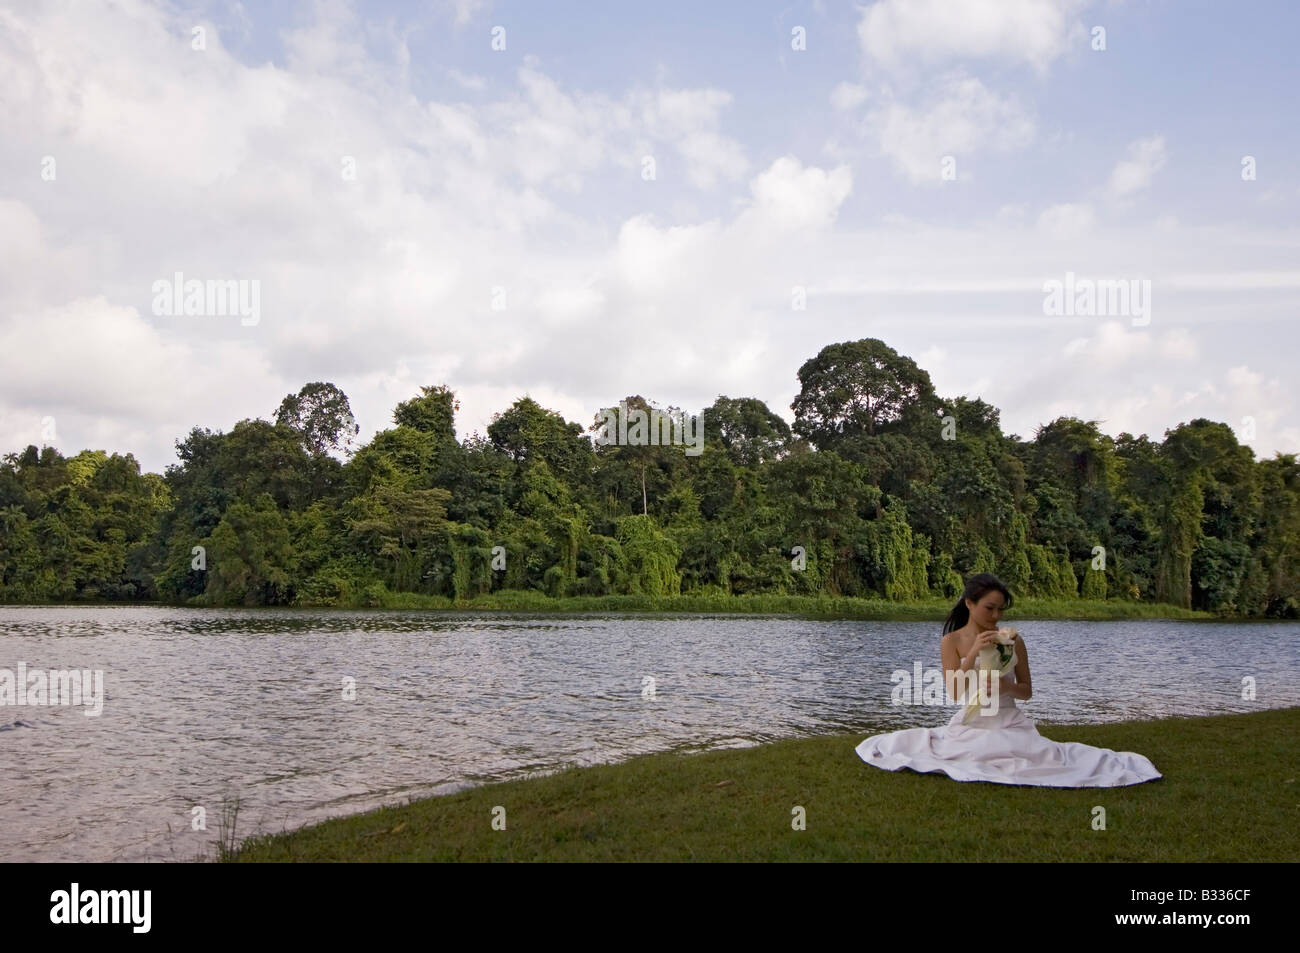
(570, 304)
(962, 119)
(1177, 344)
(1146, 157)
(794, 197)
(384, 283)
(848, 95)
(1066, 220)
(99, 368)
(711, 158)
(897, 33)
(466, 80)
(1115, 344)
(689, 118)
(464, 10)
(646, 255)
(178, 132)
(669, 113)
(1120, 376)
(1267, 402)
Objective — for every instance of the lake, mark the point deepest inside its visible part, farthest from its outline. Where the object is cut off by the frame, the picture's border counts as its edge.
(202, 706)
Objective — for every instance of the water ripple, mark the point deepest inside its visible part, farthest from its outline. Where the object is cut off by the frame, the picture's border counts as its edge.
(206, 705)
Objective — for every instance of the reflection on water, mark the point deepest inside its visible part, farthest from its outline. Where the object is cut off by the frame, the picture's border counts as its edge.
(206, 705)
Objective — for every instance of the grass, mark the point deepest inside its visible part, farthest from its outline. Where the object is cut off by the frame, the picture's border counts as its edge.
(1229, 793)
(819, 606)
(807, 606)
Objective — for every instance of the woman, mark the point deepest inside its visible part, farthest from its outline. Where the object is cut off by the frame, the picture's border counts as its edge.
(1002, 746)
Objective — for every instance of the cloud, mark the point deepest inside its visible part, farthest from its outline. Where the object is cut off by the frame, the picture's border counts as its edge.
(1119, 376)
(570, 303)
(1066, 220)
(846, 96)
(895, 34)
(384, 282)
(1115, 344)
(791, 196)
(466, 80)
(711, 158)
(962, 119)
(1146, 157)
(689, 118)
(102, 369)
(463, 10)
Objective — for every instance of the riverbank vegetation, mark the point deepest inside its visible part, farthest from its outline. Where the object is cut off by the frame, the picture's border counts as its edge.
(881, 491)
(819, 606)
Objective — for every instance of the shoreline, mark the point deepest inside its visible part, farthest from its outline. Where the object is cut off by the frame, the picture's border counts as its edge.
(1234, 772)
(796, 606)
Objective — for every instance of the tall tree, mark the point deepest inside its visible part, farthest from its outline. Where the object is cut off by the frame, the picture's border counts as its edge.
(750, 433)
(858, 387)
(321, 415)
(639, 455)
(528, 432)
(432, 412)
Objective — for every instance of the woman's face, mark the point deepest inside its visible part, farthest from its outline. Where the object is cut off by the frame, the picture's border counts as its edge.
(987, 612)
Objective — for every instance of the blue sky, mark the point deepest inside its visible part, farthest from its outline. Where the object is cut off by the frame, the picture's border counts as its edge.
(1214, 76)
(479, 170)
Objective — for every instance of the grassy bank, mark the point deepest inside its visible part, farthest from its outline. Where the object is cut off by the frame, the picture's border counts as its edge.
(838, 607)
(813, 607)
(1229, 793)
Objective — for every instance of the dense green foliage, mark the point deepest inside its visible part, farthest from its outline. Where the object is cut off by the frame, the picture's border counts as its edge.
(879, 489)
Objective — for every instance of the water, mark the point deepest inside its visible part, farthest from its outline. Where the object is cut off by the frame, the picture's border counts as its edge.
(205, 705)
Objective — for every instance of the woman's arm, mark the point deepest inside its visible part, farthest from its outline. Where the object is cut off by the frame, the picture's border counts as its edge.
(954, 665)
(1023, 688)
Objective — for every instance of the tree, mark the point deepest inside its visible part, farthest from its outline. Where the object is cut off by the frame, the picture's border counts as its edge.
(1277, 538)
(649, 557)
(648, 448)
(398, 524)
(432, 412)
(250, 559)
(858, 387)
(321, 416)
(749, 432)
(1079, 458)
(528, 432)
(1185, 458)
(972, 417)
(827, 500)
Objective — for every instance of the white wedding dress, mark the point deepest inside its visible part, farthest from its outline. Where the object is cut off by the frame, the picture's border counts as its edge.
(1004, 747)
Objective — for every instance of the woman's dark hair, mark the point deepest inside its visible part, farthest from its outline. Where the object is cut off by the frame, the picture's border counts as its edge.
(976, 588)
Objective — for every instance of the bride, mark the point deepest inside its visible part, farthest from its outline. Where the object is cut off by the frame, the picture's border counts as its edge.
(1003, 746)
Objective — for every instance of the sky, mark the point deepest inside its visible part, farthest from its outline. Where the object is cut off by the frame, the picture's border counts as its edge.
(581, 202)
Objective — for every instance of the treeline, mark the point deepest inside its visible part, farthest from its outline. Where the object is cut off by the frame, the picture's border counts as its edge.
(880, 488)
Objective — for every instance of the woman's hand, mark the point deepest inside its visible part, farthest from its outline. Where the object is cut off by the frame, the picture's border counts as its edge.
(984, 640)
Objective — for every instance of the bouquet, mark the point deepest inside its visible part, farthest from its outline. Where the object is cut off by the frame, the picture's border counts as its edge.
(997, 659)
(1006, 644)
